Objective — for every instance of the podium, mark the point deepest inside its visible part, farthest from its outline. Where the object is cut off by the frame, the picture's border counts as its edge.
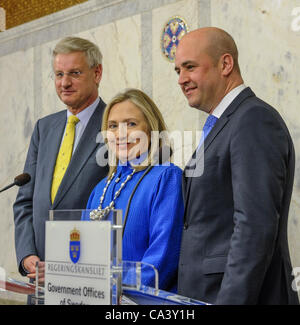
(83, 265)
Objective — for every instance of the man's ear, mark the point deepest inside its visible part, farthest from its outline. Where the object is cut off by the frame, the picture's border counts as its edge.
(226, 64)
(98, 73)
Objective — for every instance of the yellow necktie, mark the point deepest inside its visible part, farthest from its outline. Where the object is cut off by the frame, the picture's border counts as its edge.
(64, 155)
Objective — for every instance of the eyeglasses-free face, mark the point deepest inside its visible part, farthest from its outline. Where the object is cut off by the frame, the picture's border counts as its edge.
(127, 131)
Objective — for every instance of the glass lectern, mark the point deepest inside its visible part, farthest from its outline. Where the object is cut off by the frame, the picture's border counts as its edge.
(83, 265)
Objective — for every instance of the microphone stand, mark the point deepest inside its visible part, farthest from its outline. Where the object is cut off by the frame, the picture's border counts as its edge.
(7, 187)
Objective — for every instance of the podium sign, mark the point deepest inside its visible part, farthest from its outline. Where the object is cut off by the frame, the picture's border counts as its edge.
(77, 267)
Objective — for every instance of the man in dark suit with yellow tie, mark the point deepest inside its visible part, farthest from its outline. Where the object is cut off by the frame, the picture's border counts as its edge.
(234, 245)
(61, 156)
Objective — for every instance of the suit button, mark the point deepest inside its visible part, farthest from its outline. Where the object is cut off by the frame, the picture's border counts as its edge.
(185, 226)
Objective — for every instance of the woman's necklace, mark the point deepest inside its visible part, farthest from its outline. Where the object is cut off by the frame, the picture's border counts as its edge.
(99, 213)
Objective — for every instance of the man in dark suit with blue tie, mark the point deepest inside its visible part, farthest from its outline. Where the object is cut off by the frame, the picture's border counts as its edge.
(234, 245)
(62, 154)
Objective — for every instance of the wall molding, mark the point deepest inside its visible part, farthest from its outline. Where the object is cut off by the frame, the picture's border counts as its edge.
(73, 20)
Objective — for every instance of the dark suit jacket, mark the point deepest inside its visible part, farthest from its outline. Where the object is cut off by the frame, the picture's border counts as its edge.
(234, 245)
(33, 201)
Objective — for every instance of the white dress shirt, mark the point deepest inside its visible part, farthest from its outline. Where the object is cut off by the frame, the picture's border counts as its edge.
(227, 100)
(84, 117)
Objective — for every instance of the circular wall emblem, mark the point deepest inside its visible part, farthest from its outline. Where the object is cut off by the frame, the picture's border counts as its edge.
(172, 33)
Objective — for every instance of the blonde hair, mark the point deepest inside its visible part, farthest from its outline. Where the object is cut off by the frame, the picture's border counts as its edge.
(76, 44)
(153, 118)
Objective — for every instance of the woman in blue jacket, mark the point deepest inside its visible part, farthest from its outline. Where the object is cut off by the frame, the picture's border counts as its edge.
(153, 220)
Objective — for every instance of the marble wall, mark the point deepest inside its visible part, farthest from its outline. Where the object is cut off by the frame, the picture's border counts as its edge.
(128, 33)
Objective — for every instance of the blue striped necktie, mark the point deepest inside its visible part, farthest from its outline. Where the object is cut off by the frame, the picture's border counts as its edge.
(209, 124)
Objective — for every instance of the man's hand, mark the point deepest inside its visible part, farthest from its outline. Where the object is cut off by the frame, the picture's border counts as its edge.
(29, 264)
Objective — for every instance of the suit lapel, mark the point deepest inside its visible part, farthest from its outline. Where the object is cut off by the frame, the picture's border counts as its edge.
(214, 132)
(53, 140)
(226, 116)
(84, 150)
(221, 123)
(196, 163)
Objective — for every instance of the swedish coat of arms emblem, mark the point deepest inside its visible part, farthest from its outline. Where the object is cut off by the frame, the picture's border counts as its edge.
(74, 245)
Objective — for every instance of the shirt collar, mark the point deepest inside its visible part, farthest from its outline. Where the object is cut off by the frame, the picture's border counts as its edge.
(85, 115)
(127, 165)
(227, 100)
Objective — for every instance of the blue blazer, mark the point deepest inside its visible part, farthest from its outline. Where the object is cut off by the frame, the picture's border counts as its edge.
(154, 224)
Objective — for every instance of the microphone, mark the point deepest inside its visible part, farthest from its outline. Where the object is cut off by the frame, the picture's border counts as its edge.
(19, 180)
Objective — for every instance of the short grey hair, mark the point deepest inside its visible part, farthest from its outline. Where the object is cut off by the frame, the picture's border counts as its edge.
(76, 44)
